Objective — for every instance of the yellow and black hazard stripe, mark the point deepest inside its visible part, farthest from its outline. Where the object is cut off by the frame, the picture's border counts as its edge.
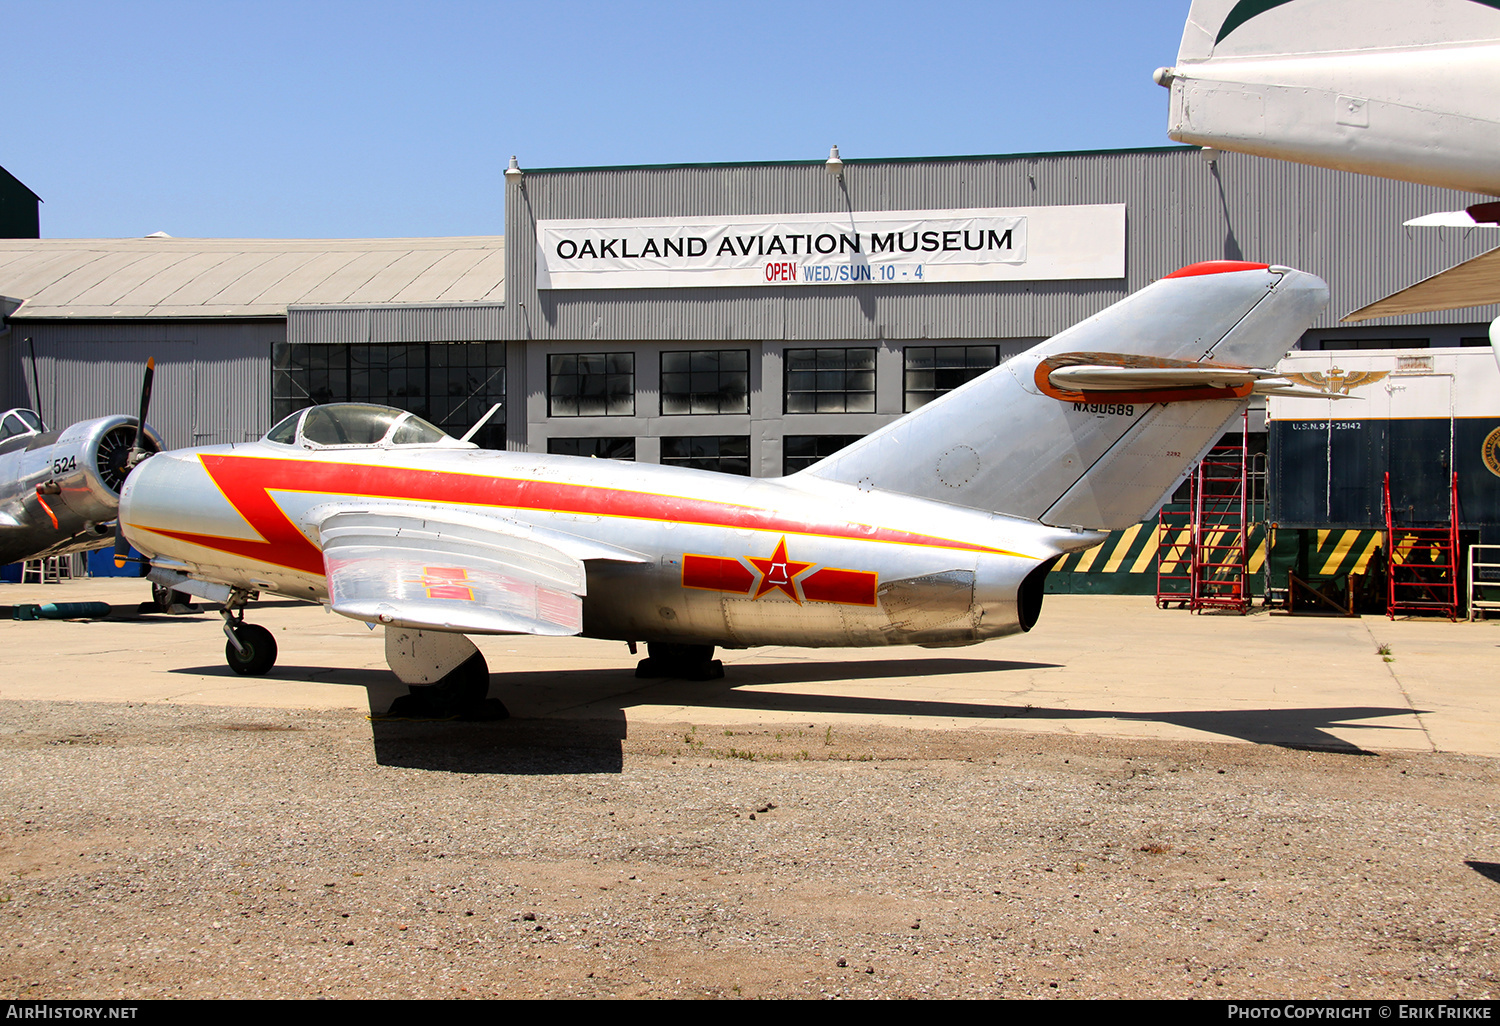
(1338, 552)
(1126, 562)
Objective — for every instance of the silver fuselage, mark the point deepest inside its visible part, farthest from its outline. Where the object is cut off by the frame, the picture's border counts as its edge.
(717, 559)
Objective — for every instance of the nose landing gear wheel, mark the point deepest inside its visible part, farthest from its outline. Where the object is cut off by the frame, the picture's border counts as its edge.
(256, 653)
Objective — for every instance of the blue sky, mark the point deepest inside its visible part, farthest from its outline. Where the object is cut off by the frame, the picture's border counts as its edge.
(322, 119)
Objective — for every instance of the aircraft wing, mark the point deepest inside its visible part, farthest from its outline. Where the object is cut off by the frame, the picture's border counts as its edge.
(1398, 88)
(448, 571)
(1474, 282)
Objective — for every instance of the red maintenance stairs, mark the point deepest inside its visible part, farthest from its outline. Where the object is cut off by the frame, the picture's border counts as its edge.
(1203, 550)
(1422, 562)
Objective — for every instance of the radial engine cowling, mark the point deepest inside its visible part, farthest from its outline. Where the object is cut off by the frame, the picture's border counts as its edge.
(59, 491)
(86, 464)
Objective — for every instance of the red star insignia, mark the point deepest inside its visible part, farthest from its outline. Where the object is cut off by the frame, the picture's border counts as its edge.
(779, 572)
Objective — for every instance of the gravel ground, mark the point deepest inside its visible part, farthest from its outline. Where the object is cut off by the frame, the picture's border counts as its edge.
(164, 851)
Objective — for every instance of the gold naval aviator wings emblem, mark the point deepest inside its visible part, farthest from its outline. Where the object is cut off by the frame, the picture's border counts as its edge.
(1336, 380)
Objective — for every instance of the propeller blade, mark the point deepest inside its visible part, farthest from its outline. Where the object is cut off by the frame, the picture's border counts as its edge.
(140, 424)
(122, 547)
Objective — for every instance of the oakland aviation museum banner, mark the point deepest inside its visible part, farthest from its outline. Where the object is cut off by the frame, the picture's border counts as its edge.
(889, 247)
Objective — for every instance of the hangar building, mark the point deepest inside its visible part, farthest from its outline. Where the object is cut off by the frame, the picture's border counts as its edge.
(747, 318)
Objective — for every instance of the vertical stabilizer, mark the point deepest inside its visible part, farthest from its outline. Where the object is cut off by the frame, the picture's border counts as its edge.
(1014, 441)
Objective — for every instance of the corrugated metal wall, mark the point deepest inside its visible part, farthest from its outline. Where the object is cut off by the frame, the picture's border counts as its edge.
(212, 378)
(472, 322)
(1180, 209)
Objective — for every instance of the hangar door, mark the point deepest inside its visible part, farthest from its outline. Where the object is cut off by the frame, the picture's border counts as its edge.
(82, 380)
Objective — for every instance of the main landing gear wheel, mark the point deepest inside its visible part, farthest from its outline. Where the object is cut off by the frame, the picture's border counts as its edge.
(685, 662)
(165, 599)
(256, 653)
(463, 693)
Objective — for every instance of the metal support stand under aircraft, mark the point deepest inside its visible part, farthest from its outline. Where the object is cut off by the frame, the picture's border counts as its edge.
(685, 662)
(446, 674)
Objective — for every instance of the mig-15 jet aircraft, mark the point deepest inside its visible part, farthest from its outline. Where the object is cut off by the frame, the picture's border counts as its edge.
(937, 530)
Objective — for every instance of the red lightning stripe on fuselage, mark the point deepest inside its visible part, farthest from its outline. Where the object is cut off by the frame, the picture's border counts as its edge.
(247, 481)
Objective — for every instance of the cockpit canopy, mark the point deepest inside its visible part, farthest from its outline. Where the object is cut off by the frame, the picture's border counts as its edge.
(19, 422)
(363, 425)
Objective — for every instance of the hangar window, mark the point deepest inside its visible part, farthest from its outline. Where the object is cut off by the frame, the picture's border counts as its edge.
(450, 384)
(601, 448)
(728, 454)
(705, 381)
(932, 371)
(801, 451)
(591, 385)
(830, 381)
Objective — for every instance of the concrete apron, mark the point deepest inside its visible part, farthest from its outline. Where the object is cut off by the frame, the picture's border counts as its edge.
(1100, 664)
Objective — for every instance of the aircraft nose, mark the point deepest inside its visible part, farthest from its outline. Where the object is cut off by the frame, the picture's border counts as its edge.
(153, 488)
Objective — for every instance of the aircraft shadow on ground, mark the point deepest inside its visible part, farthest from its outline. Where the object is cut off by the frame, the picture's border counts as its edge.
(572, 721)
(1301, 728)
(515, 746)
(1489, 870)
(308, 674)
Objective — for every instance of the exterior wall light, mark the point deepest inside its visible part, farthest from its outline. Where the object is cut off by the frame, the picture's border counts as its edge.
(513, 172)
(834, 164)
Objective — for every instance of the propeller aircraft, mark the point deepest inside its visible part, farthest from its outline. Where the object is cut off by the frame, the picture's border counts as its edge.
(60, 490)
(937, 530)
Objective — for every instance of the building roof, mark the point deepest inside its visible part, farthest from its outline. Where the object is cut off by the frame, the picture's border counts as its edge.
(822, 161)
(158, 276)
(7, 178)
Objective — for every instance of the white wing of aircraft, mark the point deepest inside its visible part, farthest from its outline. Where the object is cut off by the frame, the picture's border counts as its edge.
(1475, 282)
(937, 530)
(1402, 89)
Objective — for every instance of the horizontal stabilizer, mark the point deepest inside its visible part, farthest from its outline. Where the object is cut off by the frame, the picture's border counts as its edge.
(1129, 379)
(1283, 387)
(1161, 381)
